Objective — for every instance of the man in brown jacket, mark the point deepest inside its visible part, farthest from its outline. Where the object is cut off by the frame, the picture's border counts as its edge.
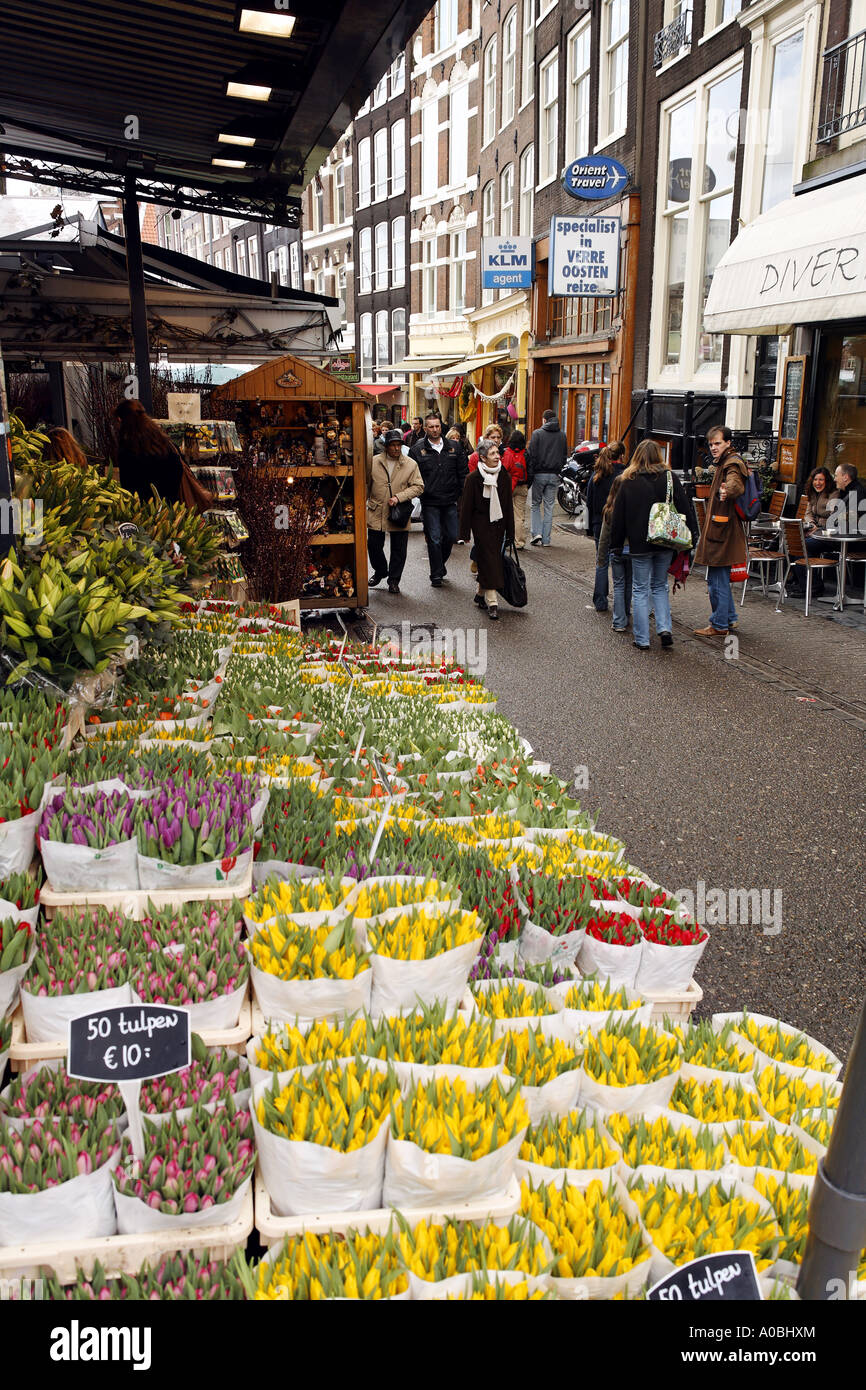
(723, 539)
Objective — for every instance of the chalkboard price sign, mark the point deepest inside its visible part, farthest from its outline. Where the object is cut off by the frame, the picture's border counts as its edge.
(129, 1043)
(790, 423)
(731, 1277)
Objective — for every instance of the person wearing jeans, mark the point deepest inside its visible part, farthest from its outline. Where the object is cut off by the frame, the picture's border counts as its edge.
(723, 540)
(724, 611)
(544, 489)
(443, 471)
(650, 591)
(608, 467)
(441, 528)
(620, 562)
(545, 459)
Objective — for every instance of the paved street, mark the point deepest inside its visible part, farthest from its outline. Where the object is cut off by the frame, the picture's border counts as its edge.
(743, 773)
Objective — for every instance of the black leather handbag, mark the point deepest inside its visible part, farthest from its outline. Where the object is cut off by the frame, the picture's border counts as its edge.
(400, 514)
(513, 578)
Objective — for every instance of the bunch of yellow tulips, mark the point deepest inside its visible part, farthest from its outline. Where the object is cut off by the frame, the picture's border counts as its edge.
(534, 1059)
(436, 1252)
(514, 1000)
(782, 1095)
(714, 1101)
(422, 935)
(291, 1047)
(661, 1144)
(499, 1292)
(704, 1047)
(685, 1224)
(447, 1117)
(817, 1124)
(791, 1206)
(591, 1235)
(432, 1036)
(314, 1267)
(295, 895)
(340, 1108)
(574, 1141)
(594, 997)
(379, 897)
(308, 953)
(626, 1054)
(762, 1146)
(782, 1044)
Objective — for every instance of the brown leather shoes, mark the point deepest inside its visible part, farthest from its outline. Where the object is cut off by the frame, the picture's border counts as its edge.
(711, 632)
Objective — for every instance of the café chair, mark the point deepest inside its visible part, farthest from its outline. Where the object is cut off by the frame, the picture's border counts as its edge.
(763, 559)
(700, 506)
(795, 553)
(801, 507)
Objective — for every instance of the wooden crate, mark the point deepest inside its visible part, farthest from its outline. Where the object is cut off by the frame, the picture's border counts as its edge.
(133, 902)
(125, 1254)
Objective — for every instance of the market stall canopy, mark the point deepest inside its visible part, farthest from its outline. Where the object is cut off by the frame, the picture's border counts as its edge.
(473, 364)
(68, 300)
(377, 388)
(802, 262)
(410, 366)
(289, 378)
(91, 92)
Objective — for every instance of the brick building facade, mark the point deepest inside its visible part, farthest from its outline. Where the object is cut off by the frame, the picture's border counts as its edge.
(327, 218)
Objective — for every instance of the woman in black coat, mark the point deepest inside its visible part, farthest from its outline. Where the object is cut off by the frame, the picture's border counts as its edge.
(487, 515)
(609, 465)
(145, 455)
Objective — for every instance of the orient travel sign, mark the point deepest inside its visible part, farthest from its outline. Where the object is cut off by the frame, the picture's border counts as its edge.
(506, 263)
(594, 177)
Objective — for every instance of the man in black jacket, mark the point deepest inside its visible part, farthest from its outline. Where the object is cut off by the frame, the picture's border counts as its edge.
(545, 459)
(444, 471)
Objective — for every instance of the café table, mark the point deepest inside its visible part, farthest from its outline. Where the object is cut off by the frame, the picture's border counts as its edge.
(840, 600)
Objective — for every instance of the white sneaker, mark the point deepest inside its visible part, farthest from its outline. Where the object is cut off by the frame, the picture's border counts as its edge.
(536, 540)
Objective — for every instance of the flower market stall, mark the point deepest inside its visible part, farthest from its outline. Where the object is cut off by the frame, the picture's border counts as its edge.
(443, 1044)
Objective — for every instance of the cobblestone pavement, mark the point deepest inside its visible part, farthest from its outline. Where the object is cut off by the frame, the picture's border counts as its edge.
(739, 768)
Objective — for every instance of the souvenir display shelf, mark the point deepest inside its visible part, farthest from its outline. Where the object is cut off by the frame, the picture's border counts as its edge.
(300, 423)
(212, 448)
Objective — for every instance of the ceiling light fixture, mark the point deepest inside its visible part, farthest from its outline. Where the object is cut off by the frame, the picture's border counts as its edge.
(230, 163)
(247, 140)
(267, 22)
(248, 91)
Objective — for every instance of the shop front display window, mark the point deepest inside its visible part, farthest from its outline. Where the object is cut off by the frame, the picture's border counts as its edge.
(841, 402)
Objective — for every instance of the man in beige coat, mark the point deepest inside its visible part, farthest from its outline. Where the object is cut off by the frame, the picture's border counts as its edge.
(723, 539)
(392, 477)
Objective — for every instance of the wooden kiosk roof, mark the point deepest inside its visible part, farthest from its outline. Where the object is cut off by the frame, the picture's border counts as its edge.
(263, 383)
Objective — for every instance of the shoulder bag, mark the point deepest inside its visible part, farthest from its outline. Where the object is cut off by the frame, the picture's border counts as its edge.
(399, 513)
(668, 528)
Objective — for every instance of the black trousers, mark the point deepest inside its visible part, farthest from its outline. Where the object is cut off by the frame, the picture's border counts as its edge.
(376, 549)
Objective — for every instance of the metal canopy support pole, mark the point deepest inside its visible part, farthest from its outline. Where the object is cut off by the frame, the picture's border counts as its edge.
(137, 301)
(837, 1212)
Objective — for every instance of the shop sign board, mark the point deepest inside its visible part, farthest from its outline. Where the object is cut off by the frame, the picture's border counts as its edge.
(584, 256)
(731, 1276)
(791, 419)
(506, 263)
(130, 1042)
(594, 177)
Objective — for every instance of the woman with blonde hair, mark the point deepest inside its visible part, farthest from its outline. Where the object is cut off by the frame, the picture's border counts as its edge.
(644, 483)
(64, 448)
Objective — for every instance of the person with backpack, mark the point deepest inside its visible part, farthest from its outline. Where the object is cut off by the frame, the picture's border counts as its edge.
(723, 539)
(514, 463)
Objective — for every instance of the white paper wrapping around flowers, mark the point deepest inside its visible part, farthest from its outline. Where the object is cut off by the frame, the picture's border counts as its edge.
(537, 946)
(719, 1021)
(304, 1179)
(259, 807)
(134, 1215)
(156, 874)
(618, 964)
(668, 967)
(596, 1020)
(281, 869)
(555, 1097)
(210, 1014)
(611, 1099)
(414, 1177)
(10, 981)
(460, 1285)
(18, 914)
(81, 1209)
(403, 984)
(78, 868)
(17, 840)
(47, 1017)
(306, 1000)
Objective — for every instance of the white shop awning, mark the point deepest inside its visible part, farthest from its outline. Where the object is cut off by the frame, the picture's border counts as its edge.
(802, 262)
(412, 366)
(474, 364)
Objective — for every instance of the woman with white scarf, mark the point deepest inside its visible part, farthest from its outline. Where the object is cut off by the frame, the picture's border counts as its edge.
(487, 515)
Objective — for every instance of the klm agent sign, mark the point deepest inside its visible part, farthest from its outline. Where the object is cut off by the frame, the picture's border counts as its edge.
(584, 256)
(506, 263)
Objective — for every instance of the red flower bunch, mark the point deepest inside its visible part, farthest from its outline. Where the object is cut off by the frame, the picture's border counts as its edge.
(619, 929)
(669, 931)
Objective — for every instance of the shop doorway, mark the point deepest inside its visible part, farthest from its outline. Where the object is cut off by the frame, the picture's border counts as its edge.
(766, 375)
(582, 401)
(840, 400)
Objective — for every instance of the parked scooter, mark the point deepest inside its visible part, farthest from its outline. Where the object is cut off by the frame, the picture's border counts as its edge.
(575, 476)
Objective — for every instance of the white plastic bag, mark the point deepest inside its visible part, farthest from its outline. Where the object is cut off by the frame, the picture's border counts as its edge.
(18, 914)
(211, 1014)
(612, 1099)
(595, 1020)
(216, 873)
(81, 1209)
(403, 984)
(668, 967)
(10, 981)
(78, 868)
(414, 1177)
(306, 1000)
(47, 1017)
(134, 1215)
(619, 964)
(555, 1097)
(17, 840)
(304, 1179)
(537, 946)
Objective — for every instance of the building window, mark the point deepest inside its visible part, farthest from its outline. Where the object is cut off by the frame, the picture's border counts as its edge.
(720, 12)
(506, 202)
(383, 338)
(429, 273)
(488, 227)
(527, 56)
(272, 264)
(398, 335)
(697, 162)
(445, 24)
(318, 204)
(364, 180)
(546, 7)
(490, 55)
(366, 342)
(429, 148)
(458, 143)
(320, 282)
(365, 259)
(241, 254)
(228, 257)
(381, 255)
(613, 103)
(380, 92)
(779, 146)
(342, 283)
(457, 273)
(295, 253)
(398, 75)
(509, 65)
(362, 110)
(398, 157)
(380, 165)
(577, 107)
(340, 193)
(253, 252)
(218, 259)
(548, 163)
(527, 190)
(398, 252)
